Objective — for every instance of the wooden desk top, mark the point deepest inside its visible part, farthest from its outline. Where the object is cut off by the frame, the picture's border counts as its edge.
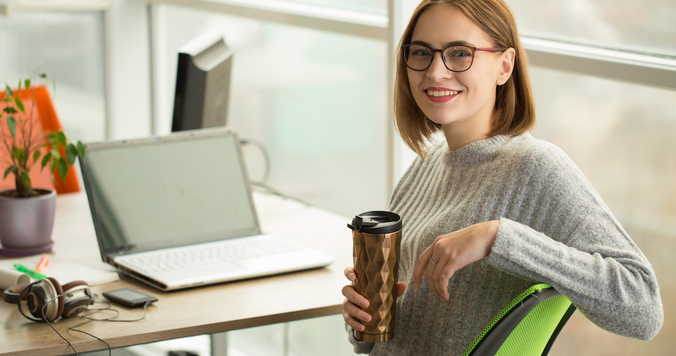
(197, 311)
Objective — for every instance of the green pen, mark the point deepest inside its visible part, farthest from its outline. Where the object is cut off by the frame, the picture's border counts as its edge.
(34, 274)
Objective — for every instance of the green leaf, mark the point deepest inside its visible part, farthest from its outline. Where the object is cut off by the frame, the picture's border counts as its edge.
(45, 160)
(56, 153)
(54, 162)
(9, 92)
(63, 168)
(27, 83)
(8, 171)
(36, 156)
(62, 139)
(18, 153)
(51, 136)
(19, 104)
(80, 149)
(11, 123)
(10, 110)
(71, 153)
(42, 75)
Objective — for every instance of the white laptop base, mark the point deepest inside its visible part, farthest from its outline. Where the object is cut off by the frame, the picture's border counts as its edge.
(220, 261)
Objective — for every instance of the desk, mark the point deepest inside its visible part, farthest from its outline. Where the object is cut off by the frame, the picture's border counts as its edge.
(198, 311)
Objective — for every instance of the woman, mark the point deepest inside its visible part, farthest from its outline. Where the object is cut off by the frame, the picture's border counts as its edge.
(492, 210)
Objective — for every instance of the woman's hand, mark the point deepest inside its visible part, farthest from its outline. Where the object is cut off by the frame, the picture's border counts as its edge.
(452, 252)
(352, 313)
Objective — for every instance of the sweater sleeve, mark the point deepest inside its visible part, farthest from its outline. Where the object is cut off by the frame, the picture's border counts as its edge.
(577, 246)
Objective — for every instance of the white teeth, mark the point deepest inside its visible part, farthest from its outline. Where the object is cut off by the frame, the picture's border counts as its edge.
(437, 93)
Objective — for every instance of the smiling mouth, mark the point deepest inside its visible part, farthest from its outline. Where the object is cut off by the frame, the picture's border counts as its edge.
(441, 93)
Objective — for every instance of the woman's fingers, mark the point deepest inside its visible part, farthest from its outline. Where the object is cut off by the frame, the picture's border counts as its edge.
(426, 267)
(401, 288)
(354, 297)
(355, 313)
(456, 250)
(421, 265)
(430, 273)
(349, 274)
(439, 277)
(352, 313)
(354, 324)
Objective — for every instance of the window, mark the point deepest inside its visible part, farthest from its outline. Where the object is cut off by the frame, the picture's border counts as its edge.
(632, 25)
(623, 138)
(68, 48)
(373, 6)
(315, 100)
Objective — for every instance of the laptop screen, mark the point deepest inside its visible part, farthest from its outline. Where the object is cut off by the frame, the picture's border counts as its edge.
(163, 192)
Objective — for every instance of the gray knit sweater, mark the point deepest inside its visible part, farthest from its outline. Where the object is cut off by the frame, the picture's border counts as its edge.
(554, 228)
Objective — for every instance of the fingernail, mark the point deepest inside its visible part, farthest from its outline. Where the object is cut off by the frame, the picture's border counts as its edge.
(364, 303)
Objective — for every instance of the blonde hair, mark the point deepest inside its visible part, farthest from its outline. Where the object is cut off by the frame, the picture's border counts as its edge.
(514, 108)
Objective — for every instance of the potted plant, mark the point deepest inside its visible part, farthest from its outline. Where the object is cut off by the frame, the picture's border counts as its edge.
(27, 213)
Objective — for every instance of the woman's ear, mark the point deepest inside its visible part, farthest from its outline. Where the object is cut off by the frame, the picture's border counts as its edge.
(506, 66)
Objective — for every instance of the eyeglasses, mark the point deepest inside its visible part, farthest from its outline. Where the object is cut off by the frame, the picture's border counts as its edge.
(456, 58)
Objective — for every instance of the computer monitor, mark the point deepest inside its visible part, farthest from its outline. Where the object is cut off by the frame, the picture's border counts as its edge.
(202, 83)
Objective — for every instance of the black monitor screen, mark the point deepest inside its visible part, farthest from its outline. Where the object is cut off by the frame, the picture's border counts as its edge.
(202, 84)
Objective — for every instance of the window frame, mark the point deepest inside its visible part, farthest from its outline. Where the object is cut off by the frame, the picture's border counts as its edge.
(614, 64)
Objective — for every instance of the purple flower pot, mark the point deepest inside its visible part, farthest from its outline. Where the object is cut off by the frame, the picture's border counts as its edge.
(26, 224)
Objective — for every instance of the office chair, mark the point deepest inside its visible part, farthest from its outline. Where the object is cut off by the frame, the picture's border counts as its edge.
(528, 326)
(44, 118)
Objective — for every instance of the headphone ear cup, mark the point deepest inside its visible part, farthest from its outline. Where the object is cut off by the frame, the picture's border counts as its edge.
(60, 300)
(48, 292)
(77, 296)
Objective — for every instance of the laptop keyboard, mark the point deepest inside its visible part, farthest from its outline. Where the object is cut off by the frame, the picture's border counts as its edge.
(206, 254)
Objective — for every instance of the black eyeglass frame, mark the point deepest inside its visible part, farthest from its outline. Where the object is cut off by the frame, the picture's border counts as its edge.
(406, 47)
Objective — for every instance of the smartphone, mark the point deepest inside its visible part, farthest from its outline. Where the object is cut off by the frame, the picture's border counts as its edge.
(129, 297)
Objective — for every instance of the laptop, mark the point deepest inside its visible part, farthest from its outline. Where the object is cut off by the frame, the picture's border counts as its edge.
(177, 212)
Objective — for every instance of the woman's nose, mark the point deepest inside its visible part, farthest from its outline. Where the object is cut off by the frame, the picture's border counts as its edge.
(437, 69)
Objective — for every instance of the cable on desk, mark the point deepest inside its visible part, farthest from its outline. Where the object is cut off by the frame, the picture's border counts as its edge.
(262, 184)
(44, 308)
(268, 189)
(89, 320)
(266, 157)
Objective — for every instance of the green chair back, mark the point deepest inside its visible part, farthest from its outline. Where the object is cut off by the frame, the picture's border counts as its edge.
(528, 326)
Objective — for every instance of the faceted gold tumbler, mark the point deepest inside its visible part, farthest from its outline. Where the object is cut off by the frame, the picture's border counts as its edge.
(376, 264)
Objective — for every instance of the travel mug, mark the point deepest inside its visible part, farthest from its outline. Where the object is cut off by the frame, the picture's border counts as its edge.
(376, 239)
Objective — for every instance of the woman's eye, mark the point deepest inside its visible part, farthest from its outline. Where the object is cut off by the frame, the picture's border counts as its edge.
(421, 52)
(460, 53)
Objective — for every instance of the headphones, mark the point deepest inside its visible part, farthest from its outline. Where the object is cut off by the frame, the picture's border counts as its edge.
(48, 295)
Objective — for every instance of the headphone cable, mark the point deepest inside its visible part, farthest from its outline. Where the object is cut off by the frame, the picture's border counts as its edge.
(44, 307)
(262, 184)
(89, 320)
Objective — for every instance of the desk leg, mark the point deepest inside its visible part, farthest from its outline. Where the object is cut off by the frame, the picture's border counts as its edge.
(219, 344)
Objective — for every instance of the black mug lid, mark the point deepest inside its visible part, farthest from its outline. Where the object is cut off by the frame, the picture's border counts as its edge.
(376, 222)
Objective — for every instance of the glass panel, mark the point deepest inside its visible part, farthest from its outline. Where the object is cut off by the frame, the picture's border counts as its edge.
(324, 336)
(69, 48)
(636, 25)
(623, 138)
(314, 99)
(371, 6)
